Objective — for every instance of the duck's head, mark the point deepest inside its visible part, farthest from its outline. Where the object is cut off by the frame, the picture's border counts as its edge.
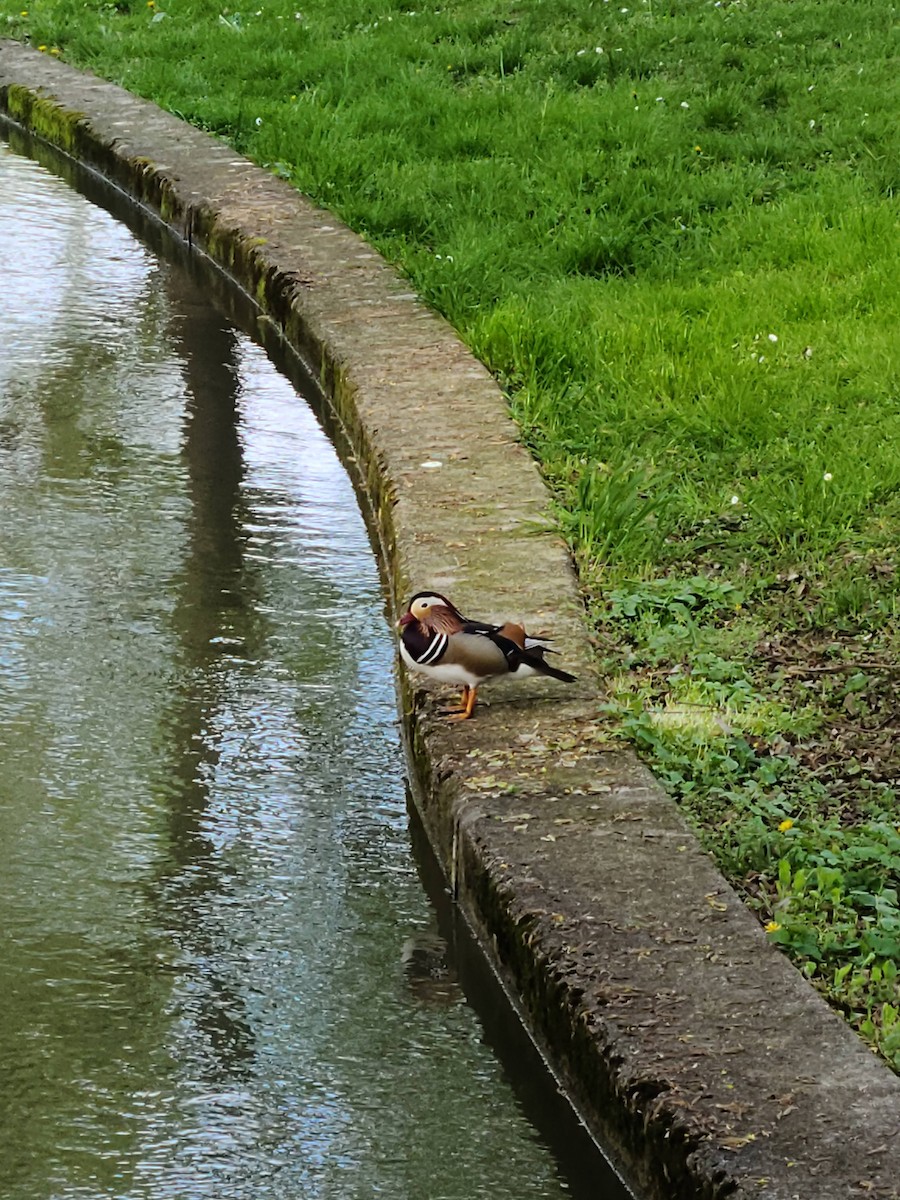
(434, 611)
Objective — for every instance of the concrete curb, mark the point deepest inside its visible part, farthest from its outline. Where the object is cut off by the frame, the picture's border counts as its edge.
(699, 1057)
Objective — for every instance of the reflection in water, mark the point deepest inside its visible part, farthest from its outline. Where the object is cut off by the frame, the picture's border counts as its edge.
(221, 978)
(431, 978)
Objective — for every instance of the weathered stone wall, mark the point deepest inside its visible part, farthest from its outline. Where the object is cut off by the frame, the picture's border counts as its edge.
(695, 1051)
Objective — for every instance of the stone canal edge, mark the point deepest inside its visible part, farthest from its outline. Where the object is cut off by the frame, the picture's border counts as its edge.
(699, 1057)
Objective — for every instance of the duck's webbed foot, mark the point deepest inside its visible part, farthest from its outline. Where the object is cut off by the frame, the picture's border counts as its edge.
(467, 704)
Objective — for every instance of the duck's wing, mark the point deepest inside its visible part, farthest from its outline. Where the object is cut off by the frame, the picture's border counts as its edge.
(478, 652)
(518, 649)
(509, 639)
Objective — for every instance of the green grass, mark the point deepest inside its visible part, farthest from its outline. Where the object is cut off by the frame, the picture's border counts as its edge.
(781, 751)
(671, 230)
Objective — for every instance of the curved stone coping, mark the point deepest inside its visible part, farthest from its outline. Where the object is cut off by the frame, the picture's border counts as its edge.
(698, 1055)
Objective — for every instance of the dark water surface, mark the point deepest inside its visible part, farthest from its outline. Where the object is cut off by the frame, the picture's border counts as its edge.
(217, 974)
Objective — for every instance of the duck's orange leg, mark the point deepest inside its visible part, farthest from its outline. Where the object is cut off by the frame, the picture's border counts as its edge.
(468, 704)
(460, 705)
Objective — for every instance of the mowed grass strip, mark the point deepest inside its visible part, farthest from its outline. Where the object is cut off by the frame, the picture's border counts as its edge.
(671, 230)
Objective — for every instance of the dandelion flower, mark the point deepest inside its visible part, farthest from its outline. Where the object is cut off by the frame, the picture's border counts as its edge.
(772, 927)
(785, 825)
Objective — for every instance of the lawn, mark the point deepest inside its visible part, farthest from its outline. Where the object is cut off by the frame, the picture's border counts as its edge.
(671, 231)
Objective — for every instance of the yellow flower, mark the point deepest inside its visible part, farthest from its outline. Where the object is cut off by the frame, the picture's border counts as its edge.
(55, 50)
(151, 3)
(772, 927)
(786, 825)
(42, 49)
(698, 150)
(24, 12)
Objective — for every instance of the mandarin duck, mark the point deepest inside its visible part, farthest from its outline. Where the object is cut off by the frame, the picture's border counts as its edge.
(438, 641)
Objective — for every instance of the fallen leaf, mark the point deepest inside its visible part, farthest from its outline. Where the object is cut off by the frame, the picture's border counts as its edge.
(735, 1143)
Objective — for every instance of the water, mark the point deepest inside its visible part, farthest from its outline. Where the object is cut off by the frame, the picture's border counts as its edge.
(221, 976)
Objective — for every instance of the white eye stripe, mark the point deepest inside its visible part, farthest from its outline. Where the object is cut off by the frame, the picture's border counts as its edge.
(434, 650)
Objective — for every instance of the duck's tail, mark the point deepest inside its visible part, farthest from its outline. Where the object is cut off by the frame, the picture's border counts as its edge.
(534, 657)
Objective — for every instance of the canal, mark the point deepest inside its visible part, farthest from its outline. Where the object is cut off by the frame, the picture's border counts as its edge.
(222, 978)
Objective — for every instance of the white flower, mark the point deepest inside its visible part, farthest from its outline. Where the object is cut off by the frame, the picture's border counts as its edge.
(828, 477)
(259, 120)
(735, 499)
(773, 337)
(684, 104)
